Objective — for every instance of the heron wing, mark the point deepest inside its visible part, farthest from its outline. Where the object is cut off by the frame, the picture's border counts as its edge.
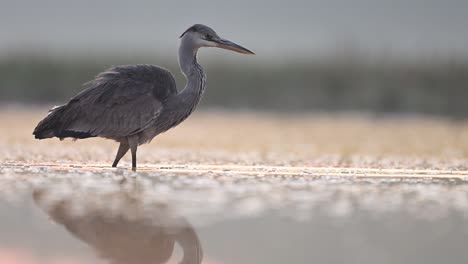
(119, 102)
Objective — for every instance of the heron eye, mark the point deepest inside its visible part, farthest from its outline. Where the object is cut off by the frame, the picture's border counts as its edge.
(208, 37)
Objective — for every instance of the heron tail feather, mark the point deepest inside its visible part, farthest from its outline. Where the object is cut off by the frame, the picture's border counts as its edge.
(48, 126)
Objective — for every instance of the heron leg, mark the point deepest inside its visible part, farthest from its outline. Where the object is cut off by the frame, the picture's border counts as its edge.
(133, 143)
(123, 148)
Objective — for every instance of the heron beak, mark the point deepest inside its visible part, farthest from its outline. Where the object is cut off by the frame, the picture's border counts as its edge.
(226, 44)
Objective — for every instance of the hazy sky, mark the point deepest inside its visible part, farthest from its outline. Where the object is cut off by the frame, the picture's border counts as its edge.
(269, 27)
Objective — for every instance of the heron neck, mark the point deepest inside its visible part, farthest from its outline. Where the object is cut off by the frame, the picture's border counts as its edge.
(190, 96)
(187, 56)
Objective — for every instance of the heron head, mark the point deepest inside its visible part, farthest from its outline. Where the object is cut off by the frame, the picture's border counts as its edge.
(204, 36)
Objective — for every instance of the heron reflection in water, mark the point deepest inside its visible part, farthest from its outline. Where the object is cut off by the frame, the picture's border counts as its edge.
(123, 237)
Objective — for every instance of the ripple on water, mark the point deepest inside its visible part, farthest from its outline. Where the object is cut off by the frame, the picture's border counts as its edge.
(213, 196)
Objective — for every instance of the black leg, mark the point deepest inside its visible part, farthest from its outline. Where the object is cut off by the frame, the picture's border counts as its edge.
(133, 142)
(123, 148)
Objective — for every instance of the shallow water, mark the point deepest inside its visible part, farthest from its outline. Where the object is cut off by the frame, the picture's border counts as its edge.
(169, 214)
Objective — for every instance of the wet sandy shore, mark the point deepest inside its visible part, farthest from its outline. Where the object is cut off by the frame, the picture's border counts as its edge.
(258, 139)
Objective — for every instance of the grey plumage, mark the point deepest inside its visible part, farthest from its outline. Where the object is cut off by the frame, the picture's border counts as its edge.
(132, 104)
(111, 105)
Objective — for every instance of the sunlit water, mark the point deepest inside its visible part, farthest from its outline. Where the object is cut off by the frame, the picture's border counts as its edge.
(175, 215)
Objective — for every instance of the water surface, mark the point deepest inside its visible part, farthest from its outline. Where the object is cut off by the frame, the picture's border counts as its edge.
(183, 214)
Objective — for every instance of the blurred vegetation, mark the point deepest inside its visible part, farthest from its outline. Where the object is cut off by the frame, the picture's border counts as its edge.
(333, 84)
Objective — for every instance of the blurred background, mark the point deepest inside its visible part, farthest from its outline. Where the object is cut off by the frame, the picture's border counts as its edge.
(373, 56)
(267, 181)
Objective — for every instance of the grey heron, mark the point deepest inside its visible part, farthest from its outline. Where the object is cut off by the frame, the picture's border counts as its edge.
(132, 104)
